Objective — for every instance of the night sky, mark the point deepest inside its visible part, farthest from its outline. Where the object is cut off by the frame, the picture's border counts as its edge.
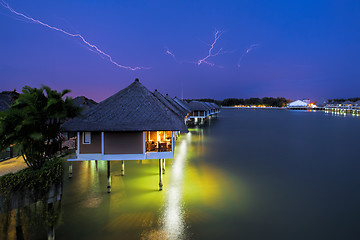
(304, 49)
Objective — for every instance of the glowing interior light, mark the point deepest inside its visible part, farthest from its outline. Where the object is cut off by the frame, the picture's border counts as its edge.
(92, 47)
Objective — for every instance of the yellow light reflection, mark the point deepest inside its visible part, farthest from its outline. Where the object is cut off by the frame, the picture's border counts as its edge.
(173, 219)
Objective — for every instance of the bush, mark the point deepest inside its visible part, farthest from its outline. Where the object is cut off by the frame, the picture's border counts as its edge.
(35, 181)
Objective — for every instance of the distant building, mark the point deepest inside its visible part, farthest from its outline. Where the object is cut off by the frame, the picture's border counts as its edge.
(297, 103)
(199, 111)
(307, 101)
(7, 98)
(84, 102)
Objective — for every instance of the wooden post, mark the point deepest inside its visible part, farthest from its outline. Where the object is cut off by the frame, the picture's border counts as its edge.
(51, 229)
(96, 164)
(70, 169)
(51, 233)
(122, 168)
(11, 152)
(108, 177)
(78, 144)
(18, 226)
(160, 175)
(163, 166)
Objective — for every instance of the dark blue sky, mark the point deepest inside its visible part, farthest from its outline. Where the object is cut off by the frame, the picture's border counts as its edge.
(307, 49)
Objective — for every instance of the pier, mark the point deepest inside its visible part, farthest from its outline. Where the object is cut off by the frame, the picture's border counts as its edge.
(343, 108)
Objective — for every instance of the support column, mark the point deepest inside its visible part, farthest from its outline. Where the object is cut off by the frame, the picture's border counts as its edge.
(163, 166)
(70, 169)
(11, 152)
(108, 177)
(51, 233)
(122, 168)
(78, 144)
(51, 229)
(160, 175)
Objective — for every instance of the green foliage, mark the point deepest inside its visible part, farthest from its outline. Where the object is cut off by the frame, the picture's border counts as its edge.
(36, 181)
(267, 101)
(33, 123)
(341, 100)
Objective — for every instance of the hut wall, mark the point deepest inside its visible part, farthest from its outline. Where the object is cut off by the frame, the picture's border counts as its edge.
(94, 147)
(123, 142)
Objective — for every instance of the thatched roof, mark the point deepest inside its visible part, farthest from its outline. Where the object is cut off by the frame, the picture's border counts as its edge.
(177, 105)
(84, 102)
(134, 108)
(183, 104)
(208, 105)
(214, 105)
(197, 106)
(168, 104)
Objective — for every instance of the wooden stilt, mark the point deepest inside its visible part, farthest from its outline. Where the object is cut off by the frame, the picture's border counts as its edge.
(19, 229)
(108, 177)
(51, 233)
(160, 175)
(70, 169)
(122, 168)
(96, 164)
(163, 166)
(51, 229)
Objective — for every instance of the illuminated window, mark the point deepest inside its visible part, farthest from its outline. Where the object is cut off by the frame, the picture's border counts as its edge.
(87, 138)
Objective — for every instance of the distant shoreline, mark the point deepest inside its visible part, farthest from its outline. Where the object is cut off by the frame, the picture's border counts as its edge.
(279, 108)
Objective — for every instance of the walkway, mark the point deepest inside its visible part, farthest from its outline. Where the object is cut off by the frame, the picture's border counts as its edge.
(12, 165)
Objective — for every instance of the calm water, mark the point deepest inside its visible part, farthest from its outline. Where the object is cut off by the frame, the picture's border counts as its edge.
(251, 174)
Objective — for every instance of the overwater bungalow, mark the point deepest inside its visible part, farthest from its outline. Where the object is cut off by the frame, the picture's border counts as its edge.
(216, 107)
(199, 111)
(183, 104)
(133, 124)
(182, 114)
(183, 109)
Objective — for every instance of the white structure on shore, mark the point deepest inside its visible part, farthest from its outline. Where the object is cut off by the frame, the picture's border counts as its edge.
(297, 103)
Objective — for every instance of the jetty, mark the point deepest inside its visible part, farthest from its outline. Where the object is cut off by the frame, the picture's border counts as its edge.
(344, 108)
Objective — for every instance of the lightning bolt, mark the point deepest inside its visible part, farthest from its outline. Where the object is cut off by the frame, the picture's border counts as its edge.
(92, 47)
(210, 53)
(170, 53)
(252, 47)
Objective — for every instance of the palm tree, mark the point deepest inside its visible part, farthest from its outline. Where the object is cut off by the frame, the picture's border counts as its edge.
(33, 123)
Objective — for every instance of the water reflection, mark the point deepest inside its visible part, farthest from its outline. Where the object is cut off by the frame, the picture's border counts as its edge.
(26, 217)
(173, 216)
